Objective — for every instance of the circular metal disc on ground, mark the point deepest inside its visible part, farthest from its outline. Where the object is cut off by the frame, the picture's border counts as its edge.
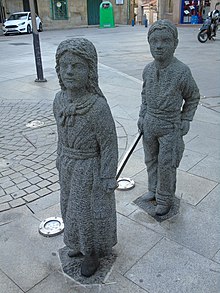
(35, 124)
(125, 184)
(51, 226)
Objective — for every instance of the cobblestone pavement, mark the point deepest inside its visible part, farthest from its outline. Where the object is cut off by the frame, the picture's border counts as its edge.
(28, 152)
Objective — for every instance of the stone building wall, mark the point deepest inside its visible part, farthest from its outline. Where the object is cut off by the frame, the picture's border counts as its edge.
(77, 14)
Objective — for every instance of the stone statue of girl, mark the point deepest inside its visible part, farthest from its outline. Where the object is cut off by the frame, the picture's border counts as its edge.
(87, 155)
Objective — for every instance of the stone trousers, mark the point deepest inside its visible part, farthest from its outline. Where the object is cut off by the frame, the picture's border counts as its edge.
(163, 149)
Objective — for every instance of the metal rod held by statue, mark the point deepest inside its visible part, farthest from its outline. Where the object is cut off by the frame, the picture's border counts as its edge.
(127, 155)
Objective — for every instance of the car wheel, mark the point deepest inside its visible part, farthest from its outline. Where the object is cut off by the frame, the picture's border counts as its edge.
(28, 29)
(40, 27)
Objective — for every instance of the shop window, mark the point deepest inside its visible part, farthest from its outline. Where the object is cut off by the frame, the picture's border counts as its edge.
(191, 11)
(169, 6)
(59, 9)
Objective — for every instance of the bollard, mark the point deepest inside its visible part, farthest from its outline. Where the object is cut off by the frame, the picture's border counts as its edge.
(145, 22)
(132, 22)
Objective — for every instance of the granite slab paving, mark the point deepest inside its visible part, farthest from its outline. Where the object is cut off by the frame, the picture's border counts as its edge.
(178, 270)
(197, 230)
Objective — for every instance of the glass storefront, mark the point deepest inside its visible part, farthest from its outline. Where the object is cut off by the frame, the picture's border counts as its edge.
(194, 11)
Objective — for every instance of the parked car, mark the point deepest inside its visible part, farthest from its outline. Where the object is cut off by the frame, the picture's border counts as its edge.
(20, 22)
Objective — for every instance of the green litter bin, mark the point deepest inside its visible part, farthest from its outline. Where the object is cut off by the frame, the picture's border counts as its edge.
(106, 15)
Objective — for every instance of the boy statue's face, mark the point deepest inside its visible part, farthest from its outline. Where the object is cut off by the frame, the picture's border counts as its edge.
(162, 44)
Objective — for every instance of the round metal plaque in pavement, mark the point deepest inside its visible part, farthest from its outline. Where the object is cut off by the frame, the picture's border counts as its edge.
(35, 124)
(125, 184)
(51, 226)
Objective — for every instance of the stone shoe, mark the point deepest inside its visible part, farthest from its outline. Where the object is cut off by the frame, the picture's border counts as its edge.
(162, 210)
(89, 265)
(150, 195)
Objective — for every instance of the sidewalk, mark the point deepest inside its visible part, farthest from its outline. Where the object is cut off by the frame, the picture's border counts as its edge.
(181, 254)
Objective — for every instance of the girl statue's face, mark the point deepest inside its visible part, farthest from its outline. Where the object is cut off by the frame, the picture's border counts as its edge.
(74, 71)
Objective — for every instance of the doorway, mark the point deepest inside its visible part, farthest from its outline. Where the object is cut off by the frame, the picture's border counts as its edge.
(93, 11)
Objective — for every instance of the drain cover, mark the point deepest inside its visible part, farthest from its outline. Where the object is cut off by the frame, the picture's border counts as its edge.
(125, 184)
(35, 124)
(51, 226)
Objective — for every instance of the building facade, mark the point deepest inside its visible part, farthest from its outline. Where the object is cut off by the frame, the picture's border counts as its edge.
(178, 11)
(69, 13)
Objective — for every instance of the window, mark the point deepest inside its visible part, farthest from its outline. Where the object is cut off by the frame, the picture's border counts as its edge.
(59, 9)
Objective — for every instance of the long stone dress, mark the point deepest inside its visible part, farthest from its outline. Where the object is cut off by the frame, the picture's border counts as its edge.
(87, 153)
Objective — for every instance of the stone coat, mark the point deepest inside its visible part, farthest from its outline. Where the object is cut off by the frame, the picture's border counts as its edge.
(87, 154)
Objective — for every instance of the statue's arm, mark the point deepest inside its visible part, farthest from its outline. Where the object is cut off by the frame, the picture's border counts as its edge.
(191, 97)
(107, 141)
(143, 108)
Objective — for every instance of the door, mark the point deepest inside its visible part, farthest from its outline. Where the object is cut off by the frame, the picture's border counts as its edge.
(93, 11)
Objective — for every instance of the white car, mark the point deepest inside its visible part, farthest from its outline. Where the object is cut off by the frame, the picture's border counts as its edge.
(20, 22)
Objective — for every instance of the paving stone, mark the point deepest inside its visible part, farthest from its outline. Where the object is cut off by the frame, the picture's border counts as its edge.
(54, 178)
(18, 193)
(191, 188)
(8, 172)
(32, 188)
(170, 268)
(4, 207)
(211, 204)
(54, 187)
(181, 228)
(7, 285)
(17, 202)
(35, 180)
(23, 184)
(11, 189)
(208, 168)
(31, 197)
(57, 282)
(41, 171)
(30, 175)
(43, 183)
(18, 179)
(7, 183)
(45, 175)
(5, 198)
(45, 202)
(208, 146)
(134, 241)
(217, 257)
(34, 261)
(190, 159)
(43, 191)
(2, 192)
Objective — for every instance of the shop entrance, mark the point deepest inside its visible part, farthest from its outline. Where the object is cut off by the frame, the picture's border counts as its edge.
(93, 11)
(194, 11)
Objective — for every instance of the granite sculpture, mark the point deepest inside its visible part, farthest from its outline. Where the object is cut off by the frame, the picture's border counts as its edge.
(170, 97)
(87, 155)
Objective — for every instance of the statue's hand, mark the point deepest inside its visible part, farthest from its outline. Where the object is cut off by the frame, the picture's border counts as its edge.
(185, 125)
(109, 184)
(140, 124)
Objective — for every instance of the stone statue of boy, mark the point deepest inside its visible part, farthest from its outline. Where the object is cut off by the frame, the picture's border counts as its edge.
(169, 100)
(87, 155)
